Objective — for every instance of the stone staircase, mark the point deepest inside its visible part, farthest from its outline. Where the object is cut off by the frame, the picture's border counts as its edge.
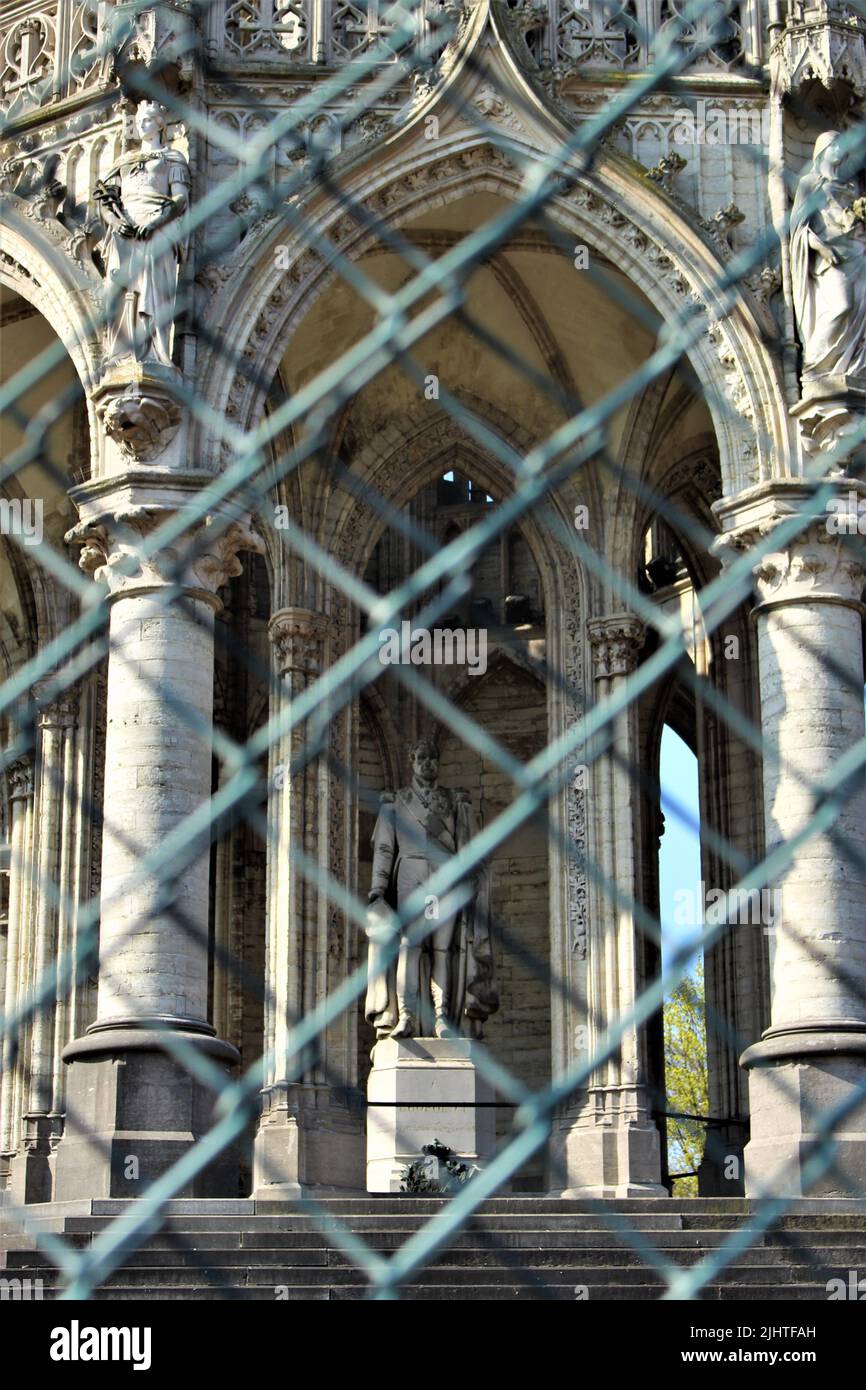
(515, 1248)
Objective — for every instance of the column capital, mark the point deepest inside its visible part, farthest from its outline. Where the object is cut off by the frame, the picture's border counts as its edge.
(59, 712)
(120, 517)
(616, 640)
(19, 777)
(821, 563)
(300, 637)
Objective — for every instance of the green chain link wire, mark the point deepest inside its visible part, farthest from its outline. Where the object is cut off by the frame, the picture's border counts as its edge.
(434, 293)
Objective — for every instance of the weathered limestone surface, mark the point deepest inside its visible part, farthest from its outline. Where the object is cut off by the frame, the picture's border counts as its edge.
(421, 1090)
(606, 1143)
(251, 318)
(310, 1134)
(811, 1058)
(130, 1096)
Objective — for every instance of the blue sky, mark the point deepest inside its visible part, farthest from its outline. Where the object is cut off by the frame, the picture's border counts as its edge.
(679, 855)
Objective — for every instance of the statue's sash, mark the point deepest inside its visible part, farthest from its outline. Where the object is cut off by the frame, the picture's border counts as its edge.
(428, 821)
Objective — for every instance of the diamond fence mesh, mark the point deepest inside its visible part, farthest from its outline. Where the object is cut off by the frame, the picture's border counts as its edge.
(284, 480)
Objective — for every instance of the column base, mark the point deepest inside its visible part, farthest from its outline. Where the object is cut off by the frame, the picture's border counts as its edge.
(132, 1111)
(720, 1172)
(605, 1161)
(420, 1090)
(794, 1076)
(310, 1140)
(31, 1172)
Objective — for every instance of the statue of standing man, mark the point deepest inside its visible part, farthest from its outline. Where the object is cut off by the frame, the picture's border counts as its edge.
(444, 985)
(142, 200)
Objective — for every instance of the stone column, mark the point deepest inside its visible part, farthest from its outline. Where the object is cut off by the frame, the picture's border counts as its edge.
(76, 823)
(809, 617)
(19, 777)
(606, 1144)
(311, 1134)
(128, 1098)
(31, 1176)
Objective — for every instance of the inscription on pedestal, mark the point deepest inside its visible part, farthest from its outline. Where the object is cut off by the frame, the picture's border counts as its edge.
(421, 1089)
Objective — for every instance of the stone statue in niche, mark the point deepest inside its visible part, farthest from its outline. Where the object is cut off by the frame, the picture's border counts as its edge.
(828, 266)
(445, 986)
(142, 201)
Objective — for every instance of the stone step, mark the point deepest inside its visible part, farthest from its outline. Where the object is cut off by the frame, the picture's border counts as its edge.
(526, 1240)
(148, 1276)
(511, 1221)
(753, 1293)
(463, 1253)
(397, 1221)
(147, 1269)
(424, 1206)
(834, 1246)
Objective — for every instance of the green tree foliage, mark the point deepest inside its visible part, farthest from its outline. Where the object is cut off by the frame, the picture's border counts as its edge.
(686, 1077)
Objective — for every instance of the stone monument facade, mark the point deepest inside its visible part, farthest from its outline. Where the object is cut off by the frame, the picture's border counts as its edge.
(168, 256)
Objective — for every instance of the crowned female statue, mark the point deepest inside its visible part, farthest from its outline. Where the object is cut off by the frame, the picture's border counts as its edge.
(828, 266)
(142, 200)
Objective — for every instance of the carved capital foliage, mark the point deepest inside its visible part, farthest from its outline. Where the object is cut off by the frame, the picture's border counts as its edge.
(122, 550)
(824, 562)
(19, 778)
(616, 641)
(815, 565)
(300, 638)
(61, 712)
(215, 552)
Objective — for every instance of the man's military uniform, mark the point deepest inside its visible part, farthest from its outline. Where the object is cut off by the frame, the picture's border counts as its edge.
(419, 829)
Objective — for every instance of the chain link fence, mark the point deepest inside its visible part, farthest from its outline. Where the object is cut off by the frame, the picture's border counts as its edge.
(251, 481)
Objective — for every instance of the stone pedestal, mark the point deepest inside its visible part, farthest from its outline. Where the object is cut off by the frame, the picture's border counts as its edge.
(134, 1111)
(787, 1094)
(421, 1089)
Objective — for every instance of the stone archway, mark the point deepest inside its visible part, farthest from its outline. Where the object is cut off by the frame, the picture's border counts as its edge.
(397, 468)
(656, 248)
